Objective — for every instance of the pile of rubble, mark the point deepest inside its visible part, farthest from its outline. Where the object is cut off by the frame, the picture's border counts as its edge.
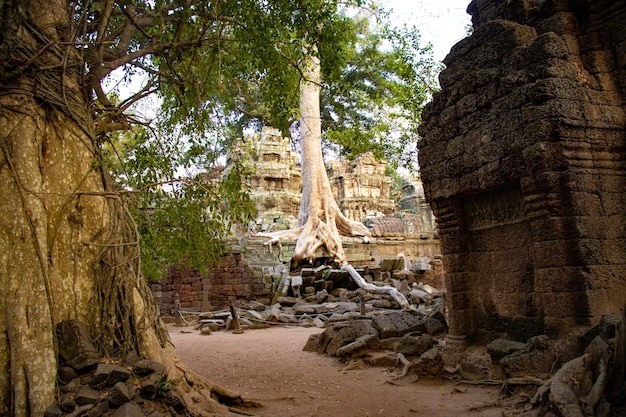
(91, 387)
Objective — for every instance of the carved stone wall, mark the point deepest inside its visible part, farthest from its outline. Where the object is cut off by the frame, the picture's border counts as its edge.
(523, 159)
(361, 187)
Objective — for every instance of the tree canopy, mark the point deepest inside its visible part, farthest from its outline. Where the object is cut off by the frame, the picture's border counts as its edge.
(219, 67)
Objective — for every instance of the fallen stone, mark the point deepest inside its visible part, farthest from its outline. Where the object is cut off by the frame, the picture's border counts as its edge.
(75, 346)
(414, 345)
(312, 343)
(174, 400)
(397, 323)
(288, 301)
(87, 395)
(357, 348)
(128, 410)
(302, 308)
(66, 374)
(429, 364)
(107, 374)
(500, 348)
(98, 410)
(473, 372)
(118, 394)
(52, 411)
(536, 358)
(383, 359)
(317, 322)
(67, 402)
(151, 385)
(80, 411)
(433, 327)
(272, 313)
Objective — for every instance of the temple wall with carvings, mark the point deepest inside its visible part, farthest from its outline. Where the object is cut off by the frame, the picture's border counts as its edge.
(523, 158)
(363, 192)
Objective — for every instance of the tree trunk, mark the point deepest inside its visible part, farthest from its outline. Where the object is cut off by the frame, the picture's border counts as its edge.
(320, 221)
(69, 249)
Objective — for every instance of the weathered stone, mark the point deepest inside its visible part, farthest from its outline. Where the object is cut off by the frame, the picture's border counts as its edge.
(429, 364)
(313, 343)
(397, 323)
(66, 374)
(473, 371)
(382, 359)
(151, 385)
(128, 410)
(433, 327)
(288, 301)
(357, 348)
(107, 374)
(500, 348)
(75, 346)
(81, 410)
(302, 308)
(414, 345)
(537, 358)
(67, 402)
(521, 154)
(174, 400)
(98, 410)
(87, 395)
(118, 394)
(52, 411)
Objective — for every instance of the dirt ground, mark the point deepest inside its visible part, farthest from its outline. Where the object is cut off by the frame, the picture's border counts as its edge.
(270, 367)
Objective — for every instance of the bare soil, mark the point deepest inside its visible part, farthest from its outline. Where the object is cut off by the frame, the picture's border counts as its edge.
(270, 367)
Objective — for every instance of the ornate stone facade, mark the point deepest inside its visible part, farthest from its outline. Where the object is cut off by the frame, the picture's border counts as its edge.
(523, 159)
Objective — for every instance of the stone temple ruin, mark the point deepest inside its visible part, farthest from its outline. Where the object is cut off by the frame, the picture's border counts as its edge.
(523, 159)
(363, 192)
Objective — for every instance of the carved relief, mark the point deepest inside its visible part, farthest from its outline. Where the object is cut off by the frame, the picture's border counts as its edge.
(495, 208)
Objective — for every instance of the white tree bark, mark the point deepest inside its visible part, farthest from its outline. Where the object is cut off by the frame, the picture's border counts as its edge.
(320, 221)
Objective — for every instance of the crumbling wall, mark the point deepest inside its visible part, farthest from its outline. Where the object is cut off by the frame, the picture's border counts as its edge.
(523, 159)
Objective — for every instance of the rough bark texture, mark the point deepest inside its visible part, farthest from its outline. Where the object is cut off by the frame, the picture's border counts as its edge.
(320, 221)
(69, 251)
(523, 157)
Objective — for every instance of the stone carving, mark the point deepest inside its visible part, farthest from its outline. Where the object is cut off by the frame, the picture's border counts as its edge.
(494, 208)
(532, 101)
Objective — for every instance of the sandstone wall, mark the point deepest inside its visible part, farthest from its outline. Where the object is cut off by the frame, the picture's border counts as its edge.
(524, 164)
(249, 273)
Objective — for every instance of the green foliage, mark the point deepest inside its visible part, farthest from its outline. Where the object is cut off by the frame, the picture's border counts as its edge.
(220, 67)
(374, 103)
(183, 213)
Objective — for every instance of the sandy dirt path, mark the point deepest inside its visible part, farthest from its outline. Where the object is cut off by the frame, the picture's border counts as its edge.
(269, 366)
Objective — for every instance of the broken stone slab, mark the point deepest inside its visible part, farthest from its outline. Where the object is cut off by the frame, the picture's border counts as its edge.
(87, 395)
(128, 410)
(433, 327)
(146, 366)
(98, 410)
(81, 410)
(152, 385)
(385, 359)
(473, 371)
(357, 348)
(288, 301)
(52, 411)
(429, 364)
(537, 358)
(397, 323)
(174, 400)
(303, 308)
(410, 344)
(75, 346)
(500, 348)
(107, 374)
(119, 394)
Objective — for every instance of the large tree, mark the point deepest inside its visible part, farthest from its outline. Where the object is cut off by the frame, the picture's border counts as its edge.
(69, 248)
